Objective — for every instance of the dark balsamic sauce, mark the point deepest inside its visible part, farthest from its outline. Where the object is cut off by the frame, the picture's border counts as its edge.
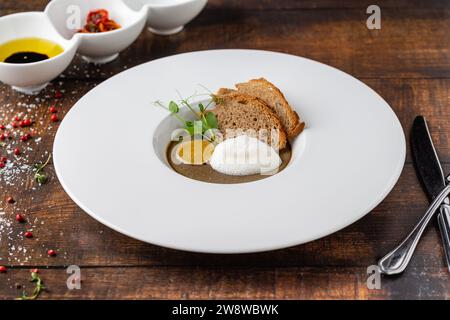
(26, 57)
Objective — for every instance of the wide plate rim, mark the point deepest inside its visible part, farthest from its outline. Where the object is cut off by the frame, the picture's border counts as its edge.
(389, 186)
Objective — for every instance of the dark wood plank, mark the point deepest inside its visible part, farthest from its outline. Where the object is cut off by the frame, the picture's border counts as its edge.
(413, 41)
(152, 283)
(412, 47)
(419, 97)
(232, 283)
(268, 4)
(350, 283)
(320, 4)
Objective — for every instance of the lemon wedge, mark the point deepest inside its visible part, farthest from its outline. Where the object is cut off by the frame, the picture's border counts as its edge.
(194, 152)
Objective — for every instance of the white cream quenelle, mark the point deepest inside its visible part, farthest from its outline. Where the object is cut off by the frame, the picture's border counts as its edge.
(244, 155)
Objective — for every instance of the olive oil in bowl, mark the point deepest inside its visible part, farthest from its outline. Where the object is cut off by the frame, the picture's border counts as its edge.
(28, 50)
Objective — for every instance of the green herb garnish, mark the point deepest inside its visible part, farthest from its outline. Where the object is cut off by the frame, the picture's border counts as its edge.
(37, 289)
(39, 175)
(205, 121)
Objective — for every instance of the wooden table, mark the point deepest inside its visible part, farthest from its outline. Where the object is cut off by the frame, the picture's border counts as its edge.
(407, 62)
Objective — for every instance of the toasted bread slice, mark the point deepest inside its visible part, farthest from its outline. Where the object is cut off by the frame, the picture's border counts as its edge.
(274, 98)
(223, 91)
(239, 113)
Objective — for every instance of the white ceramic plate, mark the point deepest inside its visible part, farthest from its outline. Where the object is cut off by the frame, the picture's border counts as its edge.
(108, 148)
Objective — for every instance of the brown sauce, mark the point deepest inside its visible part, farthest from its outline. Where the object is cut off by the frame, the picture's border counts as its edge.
(206, 173)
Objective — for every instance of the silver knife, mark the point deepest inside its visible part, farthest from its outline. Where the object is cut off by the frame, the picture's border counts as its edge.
(431, 175)
(437, 187)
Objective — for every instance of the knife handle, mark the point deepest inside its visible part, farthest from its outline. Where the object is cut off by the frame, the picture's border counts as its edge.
(396, 261)
(444, 226)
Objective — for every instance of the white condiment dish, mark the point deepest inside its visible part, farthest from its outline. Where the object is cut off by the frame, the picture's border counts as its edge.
(30, 78)
(167, 17)
(61, 21)
(97, 47)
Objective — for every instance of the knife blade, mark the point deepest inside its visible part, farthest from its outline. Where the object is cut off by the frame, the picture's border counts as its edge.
(426, 161)
(430, 175)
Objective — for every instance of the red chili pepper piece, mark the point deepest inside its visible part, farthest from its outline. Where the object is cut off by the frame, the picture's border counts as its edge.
(20, 218)
(51, 253)
(98, 21)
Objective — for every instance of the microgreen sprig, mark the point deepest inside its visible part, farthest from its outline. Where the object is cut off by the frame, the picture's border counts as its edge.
(37, 289)
(39, 175)
(205, 121)
(2, 144)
